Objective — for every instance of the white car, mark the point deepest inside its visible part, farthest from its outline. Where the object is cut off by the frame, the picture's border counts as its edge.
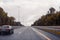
(6, 29)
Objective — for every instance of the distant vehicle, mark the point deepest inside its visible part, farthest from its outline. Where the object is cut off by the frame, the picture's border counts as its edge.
(6, 29)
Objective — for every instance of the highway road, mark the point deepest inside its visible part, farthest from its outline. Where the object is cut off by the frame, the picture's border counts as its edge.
(29, 33)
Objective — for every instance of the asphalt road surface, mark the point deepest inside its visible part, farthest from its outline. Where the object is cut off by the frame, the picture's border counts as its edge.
(29, 33)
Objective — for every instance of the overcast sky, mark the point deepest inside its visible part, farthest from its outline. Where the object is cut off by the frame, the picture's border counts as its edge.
(28, 10)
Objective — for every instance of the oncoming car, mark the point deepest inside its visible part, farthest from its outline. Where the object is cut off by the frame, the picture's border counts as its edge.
(6, 29)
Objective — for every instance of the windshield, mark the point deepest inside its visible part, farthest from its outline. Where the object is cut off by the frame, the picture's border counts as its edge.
(30, 19)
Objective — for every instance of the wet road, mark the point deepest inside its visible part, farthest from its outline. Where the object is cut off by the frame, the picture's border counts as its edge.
(28, 33)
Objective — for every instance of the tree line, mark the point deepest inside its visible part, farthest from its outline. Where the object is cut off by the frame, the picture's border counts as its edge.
(52, 18)
(6, 20)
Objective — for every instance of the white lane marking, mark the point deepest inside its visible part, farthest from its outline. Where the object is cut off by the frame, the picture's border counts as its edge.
(22, 31)
(41, 34)
(19, 31)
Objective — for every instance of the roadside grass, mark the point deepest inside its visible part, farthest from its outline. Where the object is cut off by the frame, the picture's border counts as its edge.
(57, 32)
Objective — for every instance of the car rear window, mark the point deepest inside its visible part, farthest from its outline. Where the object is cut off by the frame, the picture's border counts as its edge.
(5, 26)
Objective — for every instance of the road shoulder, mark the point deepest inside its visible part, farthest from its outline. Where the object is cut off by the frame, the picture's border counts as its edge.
(45, 34)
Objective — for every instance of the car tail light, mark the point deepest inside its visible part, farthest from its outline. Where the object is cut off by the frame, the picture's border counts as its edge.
(0, 28)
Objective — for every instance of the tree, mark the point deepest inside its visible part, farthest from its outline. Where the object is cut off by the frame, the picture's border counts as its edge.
(52, 10)
(5, 19)
(49, 19)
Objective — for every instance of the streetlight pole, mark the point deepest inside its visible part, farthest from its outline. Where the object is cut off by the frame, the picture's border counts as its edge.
(18, 13)
(59, 9)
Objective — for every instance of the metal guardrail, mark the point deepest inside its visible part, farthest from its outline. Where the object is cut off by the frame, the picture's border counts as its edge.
(15, 27)
(57, 28)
